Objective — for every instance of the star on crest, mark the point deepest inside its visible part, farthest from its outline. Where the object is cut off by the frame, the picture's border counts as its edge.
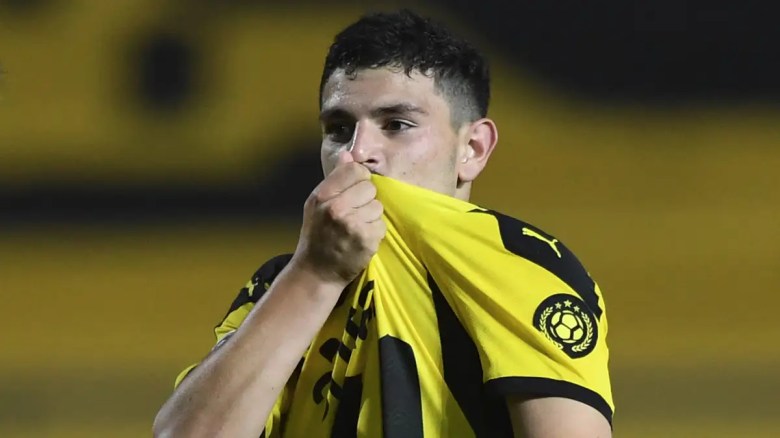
(567, 303)
(576, 308)
(557, 305)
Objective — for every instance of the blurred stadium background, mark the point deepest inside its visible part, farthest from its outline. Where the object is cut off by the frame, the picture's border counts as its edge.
(154, 153)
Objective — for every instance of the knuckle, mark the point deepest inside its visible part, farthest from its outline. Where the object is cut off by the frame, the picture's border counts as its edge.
(364, 230)
(318, 195)
(310, 201)
(359, 236)
(335, 211)
(377, 240)
(374, 233)
(318, 198)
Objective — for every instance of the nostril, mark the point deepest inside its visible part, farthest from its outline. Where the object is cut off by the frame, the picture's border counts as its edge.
(372, 165)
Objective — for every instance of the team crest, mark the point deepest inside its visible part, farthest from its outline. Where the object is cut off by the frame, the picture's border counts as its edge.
(568, 323)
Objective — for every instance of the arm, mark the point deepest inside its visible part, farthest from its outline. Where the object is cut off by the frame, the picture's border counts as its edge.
(556, 417)
(232, 392)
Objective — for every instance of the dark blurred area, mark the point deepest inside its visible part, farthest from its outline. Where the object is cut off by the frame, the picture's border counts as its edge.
(154, 153)
(165, 73)
(661, 52)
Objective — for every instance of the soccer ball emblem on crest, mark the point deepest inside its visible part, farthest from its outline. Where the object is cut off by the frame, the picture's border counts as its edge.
(567, 326)
(568, 323)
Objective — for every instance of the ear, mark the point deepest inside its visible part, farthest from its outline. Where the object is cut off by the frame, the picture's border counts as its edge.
(480, 139)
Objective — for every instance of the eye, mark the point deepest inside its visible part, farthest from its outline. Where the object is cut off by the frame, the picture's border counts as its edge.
(339, 132)
(398, 125)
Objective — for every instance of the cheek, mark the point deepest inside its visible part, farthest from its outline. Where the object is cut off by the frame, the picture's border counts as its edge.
(430, 157)
(440, 147)
(427, 148)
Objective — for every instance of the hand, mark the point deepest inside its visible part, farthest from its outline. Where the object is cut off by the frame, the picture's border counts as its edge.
(342, 224)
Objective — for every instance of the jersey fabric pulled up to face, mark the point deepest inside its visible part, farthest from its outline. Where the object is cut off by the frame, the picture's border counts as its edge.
(460, 307)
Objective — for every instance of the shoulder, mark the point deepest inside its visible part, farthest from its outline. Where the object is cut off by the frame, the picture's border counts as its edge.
(269, 270)
(260, 282)
(545, 250)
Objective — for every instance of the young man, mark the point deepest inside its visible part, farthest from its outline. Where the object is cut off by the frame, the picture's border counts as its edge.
(402, 98)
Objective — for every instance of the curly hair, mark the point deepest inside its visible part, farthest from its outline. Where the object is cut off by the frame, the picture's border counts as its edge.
(410, 42)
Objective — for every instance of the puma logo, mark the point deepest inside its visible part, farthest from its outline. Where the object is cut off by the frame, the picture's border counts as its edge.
(552, 243)
(251, 290)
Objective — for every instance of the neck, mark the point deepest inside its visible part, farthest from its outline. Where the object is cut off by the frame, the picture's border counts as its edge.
(463, 192)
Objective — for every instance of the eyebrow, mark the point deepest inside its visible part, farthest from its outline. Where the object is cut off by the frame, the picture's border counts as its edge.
(382, 111)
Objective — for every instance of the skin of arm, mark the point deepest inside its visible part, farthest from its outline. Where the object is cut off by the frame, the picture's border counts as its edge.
(552, 417)
(232, 392)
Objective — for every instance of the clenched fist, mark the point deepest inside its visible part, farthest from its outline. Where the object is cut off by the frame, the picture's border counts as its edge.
(342, 223)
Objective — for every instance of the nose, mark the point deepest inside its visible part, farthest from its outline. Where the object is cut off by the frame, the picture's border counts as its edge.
(366, 145)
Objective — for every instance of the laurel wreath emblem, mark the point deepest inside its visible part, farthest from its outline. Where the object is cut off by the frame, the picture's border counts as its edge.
(582, 346)
(588, 334)
(543, 326)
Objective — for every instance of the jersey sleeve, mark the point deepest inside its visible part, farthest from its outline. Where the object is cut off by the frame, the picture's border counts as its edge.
(535, 315)
(247, 297)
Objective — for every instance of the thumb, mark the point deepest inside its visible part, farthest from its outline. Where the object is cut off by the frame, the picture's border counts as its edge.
(344, 158)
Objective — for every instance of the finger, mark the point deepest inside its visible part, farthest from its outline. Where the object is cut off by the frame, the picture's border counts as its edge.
(372, 234)
(344, 157)
(370, 212)
(342, 178)
(349, 202)
(359, 194)
(376, 232)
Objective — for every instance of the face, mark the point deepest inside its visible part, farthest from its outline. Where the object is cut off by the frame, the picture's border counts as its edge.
(395, 124)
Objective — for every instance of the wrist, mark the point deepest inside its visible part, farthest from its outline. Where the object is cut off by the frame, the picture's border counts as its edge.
(320, 284)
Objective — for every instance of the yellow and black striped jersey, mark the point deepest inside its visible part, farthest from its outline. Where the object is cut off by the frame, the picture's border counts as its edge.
(460, 307)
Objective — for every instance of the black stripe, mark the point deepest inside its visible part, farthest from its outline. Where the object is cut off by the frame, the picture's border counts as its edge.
(364, 319)
(567, 267)
(364, 293)
(488, 416)
(336, 390)
(346, 421)
(401, 397)
(352, 329)
(318, 391)
(329, 348)
(344, 352)
(542, 387)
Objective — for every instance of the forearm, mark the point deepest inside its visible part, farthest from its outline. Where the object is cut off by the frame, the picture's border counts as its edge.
(233, 391)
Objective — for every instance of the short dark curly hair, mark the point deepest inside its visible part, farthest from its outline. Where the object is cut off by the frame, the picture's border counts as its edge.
(408, 41)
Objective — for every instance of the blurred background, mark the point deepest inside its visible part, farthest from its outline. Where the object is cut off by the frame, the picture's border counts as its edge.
(154, 153)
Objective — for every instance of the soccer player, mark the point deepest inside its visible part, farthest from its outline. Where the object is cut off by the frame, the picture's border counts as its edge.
(328, 342)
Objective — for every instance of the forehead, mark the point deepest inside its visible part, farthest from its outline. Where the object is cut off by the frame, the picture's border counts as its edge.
(369, 88)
